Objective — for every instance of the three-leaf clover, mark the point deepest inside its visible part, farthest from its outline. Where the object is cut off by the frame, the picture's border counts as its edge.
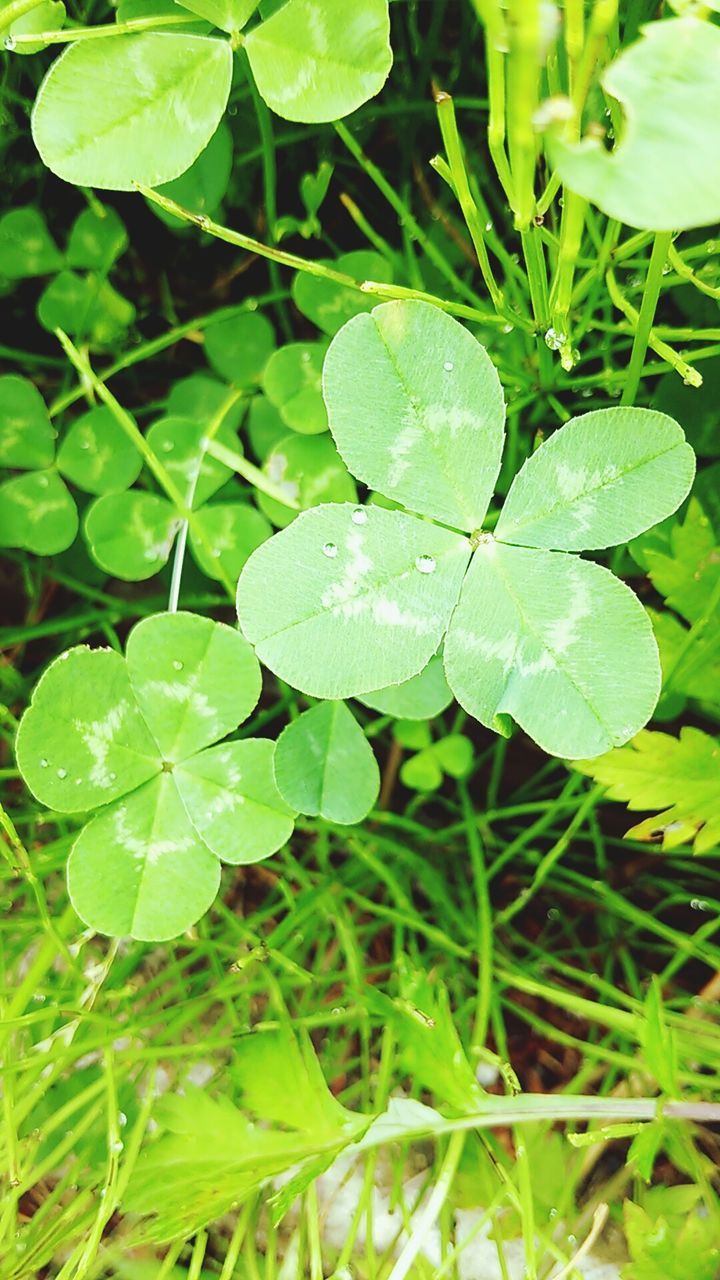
(350, 599)
(37, 511)
(134, 738)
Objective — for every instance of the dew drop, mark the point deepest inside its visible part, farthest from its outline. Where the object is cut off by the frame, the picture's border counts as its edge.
(84, 444)
(425, 564)
(359, 516)
(305, 357)
(554, 340)
(330, 550)
(122, 1119)
(117, 1147)
(508, 328)
(62, 773)
(216, 553)
(448, 366)
(43, 763)
(178, 664)
(9, 43)
(488, 226)
(43, 482)
(112, 776)
(698, 904)
(167, 446)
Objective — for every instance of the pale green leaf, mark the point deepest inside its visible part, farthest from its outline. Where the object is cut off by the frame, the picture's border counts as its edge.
(292, 382)
(422, 772)
(679, 776)
(420, 698)
(83, 742)
(194, 680)
(416, 410)
(130, 535)
(234, 530)
(233, 802)
(325, 765)
(201, 187)
(48, 15)
(240, 347)
(140, 869)
(179, 444)
(27, 437)
(26, 246)
(330, 305)
(138, 108)
(85, 307)
(309, 470)
(229, 15)
(664, 174)
(347, 599)
(556, 643)
(601, 479)
(316, 60)
(37, 513)
(97, 455)
(97, 238)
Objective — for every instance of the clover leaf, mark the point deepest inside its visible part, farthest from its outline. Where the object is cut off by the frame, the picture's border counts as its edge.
(134, 738)
(37, 512)
(325, 765)
(347, 599)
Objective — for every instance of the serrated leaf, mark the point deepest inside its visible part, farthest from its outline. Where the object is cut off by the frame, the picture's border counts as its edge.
(420, 698)
(97, 239)
(664, 173)
(361, 598)
(202, 187)
(26, 246)
(314, 60)
(139, 108)
(97, 455)
(37, 513)
(416, 410)
(555, 642)
(231, 798)
(603, 478)
(240, 347)
(234, 530)
(678, 776)
(328, 304)
(687, 574)
(27, 437)
(194, 680)
(139, 869)
(292, 382)
(309, 470)
(130, 535)
(324, 765)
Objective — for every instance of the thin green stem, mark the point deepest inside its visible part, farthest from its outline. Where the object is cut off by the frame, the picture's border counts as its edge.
(101, 32)
(651, 293)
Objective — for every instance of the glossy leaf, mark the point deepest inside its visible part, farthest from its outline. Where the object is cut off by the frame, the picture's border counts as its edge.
(229, 15)
(601, 479)
(48, 15)
(421, 698)
(97, 455)
(141, 108)
(416, 410)
(232, 799)
(37, 513)
(360, 598)
(26, 246)
(292, 382)
(330, 305)
(557, 644)
(664, 174)
(324, 765)
(315, 60)
(27, 437)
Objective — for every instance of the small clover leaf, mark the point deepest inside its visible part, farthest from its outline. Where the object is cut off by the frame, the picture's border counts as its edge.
(134, 738)
(37, 511)
(325, 765)
(361, 597)
(420, 698)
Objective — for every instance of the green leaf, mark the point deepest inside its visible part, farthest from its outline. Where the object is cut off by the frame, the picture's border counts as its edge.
(455, 754)
(657, 1040)
(130, 535)
(265, 427)
(178, 443)
(314, 60)
(37, 513)
(138, 108)
(48, 15)
(229, 15)
(239, 348)
(194, 680)
(687, 574)
(695, 407)
(86, 307)
(97, 239)
(201, 187)
(420, 698)
(27, 437)
(324, 765)
(26, 246)
(330, 305)
(601, 479)
(96, 454)
(359, 598)
(83, 741)
(292, 382)
(526, 641)
(201, 398)
(678, 776)
(416, 410)
(234, 531)
(664, 173)
(139, 869)
(309, 470)
(232, 800)
(422, 772)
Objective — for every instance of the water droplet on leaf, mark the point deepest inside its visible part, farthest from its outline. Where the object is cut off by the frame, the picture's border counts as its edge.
(359, 516)
(178, 664)
(43, 763)
(62, 773)
(554, 340)
(425, 564)
(448, 366)
(330, 550)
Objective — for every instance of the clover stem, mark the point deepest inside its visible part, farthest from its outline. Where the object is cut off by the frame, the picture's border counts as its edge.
(643, 330)
(72, 34)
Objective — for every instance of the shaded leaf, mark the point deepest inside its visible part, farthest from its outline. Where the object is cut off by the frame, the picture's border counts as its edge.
(97, 455)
